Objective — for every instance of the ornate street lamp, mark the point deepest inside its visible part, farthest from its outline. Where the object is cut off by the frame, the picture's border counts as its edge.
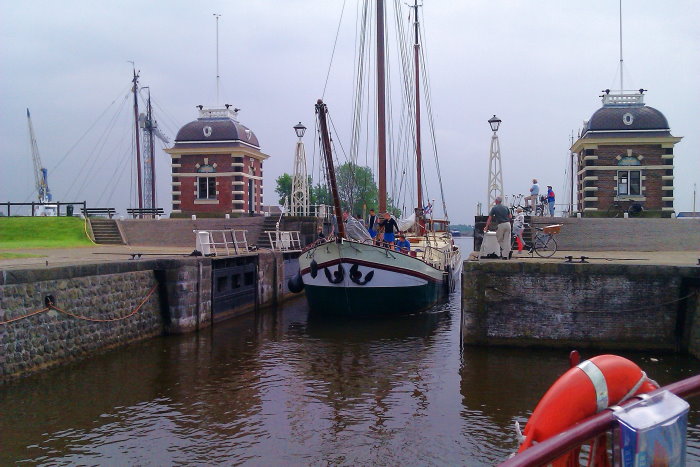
(299, 204)
(299, 129)
(495, 187)
(495, 122)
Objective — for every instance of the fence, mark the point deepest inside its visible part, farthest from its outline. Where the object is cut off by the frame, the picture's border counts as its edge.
(207, 241)
(281, 240)
(43, 209)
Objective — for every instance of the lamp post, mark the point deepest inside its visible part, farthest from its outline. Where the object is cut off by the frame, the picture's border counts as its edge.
(299, 204)
(495, 186)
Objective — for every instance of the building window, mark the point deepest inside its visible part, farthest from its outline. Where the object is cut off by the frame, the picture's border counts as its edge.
(629, 182)
(206, 187)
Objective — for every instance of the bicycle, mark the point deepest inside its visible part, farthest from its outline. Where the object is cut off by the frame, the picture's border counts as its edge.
(517, 203)
(544, 244)
(617, 209)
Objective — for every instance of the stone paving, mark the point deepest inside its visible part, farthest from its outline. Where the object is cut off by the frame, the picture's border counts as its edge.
(666, 258)
(109, 253)
(87, 255)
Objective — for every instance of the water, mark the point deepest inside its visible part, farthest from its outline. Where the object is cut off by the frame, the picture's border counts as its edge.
(285, 388)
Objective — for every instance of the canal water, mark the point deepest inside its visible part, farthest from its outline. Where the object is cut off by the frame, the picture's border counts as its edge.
(281, 387)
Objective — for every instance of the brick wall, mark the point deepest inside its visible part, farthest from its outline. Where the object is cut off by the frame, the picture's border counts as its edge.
(652, 183)
(574, 305)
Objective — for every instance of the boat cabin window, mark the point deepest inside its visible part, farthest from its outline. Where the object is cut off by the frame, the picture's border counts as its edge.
(438, 225)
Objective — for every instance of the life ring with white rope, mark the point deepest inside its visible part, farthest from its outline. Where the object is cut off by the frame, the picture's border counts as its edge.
(584, 390)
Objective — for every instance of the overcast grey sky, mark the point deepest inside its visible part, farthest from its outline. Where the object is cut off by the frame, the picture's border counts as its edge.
(538, 65)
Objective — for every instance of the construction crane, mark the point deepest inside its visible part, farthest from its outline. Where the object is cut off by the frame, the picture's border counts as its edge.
(40, 172)
(150, 130)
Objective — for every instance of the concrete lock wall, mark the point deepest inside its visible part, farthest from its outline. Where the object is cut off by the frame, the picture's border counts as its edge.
(98, 304)
(581, 305)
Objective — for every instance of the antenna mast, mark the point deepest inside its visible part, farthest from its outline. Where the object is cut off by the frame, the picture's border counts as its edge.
(622, 88)
(217, 16)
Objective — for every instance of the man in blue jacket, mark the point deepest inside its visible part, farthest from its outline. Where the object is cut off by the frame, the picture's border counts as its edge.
(550, 200)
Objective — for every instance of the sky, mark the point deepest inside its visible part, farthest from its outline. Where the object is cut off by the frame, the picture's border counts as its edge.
(539, 66)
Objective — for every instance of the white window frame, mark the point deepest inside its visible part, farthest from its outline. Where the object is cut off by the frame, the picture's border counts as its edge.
(209, 187)
(626, 175)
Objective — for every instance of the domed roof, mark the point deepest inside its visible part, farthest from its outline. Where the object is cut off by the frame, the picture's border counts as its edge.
(217, 126)
(628, 118)
(626, 115)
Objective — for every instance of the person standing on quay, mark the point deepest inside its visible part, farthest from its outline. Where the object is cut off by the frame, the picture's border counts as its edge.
(550, 200)
(501, 215)
(534, 195)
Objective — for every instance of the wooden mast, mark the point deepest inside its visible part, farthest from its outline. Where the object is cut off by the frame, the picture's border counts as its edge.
(381, 111)
(321, 111)
(416, 53)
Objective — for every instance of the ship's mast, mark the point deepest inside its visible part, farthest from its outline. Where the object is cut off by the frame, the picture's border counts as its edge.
(416, 54)
(134, 89)
(381, 111)
(321, 111)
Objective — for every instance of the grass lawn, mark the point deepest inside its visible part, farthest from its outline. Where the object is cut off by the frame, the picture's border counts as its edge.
(42, 232)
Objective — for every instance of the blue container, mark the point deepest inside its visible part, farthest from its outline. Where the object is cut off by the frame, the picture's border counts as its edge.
(653, 431)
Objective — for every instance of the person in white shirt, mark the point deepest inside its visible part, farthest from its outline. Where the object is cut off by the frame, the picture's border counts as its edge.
(518, 228)
(534, 195)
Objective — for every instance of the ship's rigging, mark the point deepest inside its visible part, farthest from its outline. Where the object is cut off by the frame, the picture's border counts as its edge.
(101, 167)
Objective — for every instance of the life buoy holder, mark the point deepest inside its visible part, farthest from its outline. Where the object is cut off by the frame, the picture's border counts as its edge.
(584, 390)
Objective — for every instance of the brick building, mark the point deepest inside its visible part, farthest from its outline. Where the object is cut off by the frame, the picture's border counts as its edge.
(625, 158)
(217, 166)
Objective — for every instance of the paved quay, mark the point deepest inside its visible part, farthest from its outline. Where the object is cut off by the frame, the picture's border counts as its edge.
(52, 257)
(660, 258)
(110, 253)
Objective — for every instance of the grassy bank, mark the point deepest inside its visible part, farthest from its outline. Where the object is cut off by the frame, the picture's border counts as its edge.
(42, 232)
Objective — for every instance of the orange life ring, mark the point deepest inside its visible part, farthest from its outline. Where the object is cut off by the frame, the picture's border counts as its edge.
(584, 390)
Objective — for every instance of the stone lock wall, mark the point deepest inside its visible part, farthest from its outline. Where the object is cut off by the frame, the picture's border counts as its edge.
(576, 305)
(49, 338)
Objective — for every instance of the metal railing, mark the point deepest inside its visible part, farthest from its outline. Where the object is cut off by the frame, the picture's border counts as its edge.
(207, 241)
(35, 205)
(321, 211)
(284, 240)
(555, 447)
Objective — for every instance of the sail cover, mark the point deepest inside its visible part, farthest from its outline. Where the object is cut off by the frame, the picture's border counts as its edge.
(407, 223)
(355, 230)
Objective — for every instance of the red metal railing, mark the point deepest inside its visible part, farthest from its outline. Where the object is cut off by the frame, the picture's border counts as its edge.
(547, 451)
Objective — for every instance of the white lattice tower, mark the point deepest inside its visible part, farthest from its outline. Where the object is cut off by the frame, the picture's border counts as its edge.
(300, 183)
(495, 187)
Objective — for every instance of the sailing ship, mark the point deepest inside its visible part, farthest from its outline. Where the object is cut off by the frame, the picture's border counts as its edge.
(344, 275)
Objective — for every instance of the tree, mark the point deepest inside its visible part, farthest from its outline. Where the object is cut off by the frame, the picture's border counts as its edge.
(284, 187)
(319, 194)
(356, 187)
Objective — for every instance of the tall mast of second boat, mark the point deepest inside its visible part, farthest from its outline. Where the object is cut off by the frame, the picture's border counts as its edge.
(416, 60)
(381, 110)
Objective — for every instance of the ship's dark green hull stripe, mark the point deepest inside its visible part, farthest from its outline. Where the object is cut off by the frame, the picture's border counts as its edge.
(376, 301)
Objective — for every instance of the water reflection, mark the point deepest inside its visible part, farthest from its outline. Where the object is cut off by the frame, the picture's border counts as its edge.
(283, 387)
